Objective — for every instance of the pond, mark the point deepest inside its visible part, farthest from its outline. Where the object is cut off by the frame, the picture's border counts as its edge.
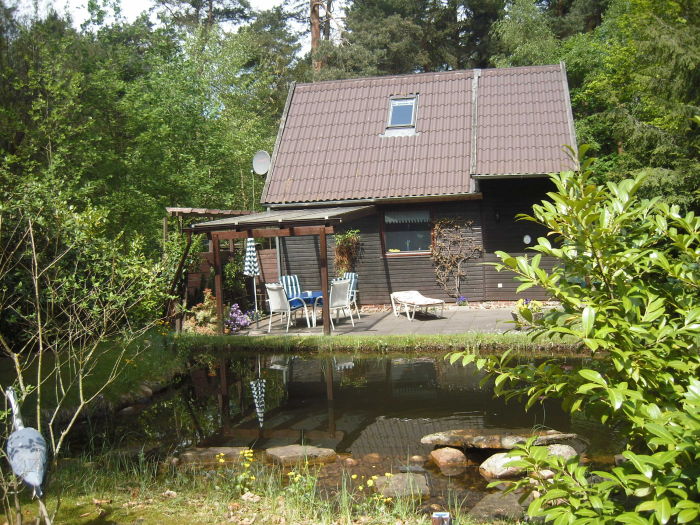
(375, 410)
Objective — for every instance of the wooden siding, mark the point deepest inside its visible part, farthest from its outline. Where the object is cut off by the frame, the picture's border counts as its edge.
(503, 200)
(380, 275)
(508, 283)
(268, 266)
(494, 225)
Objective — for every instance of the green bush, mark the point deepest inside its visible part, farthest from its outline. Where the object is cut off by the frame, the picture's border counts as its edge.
(627, 278)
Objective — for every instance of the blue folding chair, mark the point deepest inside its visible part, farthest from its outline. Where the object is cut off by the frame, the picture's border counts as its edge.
(292, 288)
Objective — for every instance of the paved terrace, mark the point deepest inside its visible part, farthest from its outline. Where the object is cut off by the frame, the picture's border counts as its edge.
(455, 320)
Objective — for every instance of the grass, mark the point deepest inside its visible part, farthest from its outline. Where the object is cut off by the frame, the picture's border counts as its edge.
(150, 359)
(116, 489)
(405, 345)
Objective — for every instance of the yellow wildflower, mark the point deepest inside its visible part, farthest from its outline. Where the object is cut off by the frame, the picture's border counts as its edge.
(360, 487)
(370, 482)
(354, 476)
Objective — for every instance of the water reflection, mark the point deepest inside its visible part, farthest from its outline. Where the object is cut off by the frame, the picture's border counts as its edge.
(362, 406)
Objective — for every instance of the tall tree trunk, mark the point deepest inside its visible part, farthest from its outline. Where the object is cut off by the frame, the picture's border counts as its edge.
(315, 33)
(327, 20)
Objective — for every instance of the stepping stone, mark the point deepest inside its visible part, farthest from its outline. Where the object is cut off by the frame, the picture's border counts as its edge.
(450, 461)
(293, 454)
(403, 485)
(502, 438)
(499, 506)
(210, 456)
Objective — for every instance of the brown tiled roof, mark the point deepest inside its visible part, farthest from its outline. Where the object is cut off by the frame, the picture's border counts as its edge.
(524, 119)
(331, 147)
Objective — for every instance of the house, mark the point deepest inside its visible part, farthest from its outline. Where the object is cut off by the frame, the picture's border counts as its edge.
(474, 146)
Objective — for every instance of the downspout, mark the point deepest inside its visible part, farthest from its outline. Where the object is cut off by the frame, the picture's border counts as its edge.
(475, 120)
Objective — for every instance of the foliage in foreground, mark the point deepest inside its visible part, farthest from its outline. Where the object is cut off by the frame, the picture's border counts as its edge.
(628, 281)
(126, 489)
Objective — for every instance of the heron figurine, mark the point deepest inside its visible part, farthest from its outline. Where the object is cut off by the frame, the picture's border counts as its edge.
(26, 452)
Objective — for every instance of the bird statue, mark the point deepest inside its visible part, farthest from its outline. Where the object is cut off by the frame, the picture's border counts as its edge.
(26, 449)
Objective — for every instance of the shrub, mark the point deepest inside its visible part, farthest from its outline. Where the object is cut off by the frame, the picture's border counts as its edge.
(627, 279)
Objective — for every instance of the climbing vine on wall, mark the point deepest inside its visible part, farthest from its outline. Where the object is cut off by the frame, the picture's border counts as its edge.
(453, 246)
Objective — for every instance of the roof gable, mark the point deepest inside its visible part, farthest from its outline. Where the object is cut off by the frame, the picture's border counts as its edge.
(332, 145)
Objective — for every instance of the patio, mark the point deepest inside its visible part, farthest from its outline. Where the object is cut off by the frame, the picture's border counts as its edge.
(455, 321)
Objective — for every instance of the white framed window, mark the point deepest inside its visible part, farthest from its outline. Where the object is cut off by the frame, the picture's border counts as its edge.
(407, 231)
(402, 112)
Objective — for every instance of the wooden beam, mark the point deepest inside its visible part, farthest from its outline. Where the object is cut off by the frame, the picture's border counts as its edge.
(218, 283)
(323, 256)
(274, 232)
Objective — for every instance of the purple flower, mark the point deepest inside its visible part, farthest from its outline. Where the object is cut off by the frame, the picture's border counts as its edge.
(236, 319)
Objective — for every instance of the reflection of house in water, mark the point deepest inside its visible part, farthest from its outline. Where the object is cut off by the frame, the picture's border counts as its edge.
(378, 405)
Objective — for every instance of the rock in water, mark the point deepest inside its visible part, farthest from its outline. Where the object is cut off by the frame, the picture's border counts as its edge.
(495, 467)
(450, 461)
(293, 454)
(403, 485)
(496, 507)
(563, 451)
(502, 438)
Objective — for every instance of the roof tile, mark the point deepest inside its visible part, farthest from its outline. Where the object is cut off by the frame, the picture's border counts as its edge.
(333, 148)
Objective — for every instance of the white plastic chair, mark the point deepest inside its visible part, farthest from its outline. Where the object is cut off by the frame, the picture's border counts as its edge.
(280, 304)
(353, 290)
(339, 299)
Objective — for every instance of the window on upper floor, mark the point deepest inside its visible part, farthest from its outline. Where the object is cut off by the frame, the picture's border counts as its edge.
(402, 112)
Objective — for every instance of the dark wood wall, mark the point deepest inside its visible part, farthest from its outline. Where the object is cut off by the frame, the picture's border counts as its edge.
(381, 274)
(494, 226)
(503, 200)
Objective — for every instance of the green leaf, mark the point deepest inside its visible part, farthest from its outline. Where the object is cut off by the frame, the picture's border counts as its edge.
(663, 511)
(592, 375)
(687, 515)
(587, 320)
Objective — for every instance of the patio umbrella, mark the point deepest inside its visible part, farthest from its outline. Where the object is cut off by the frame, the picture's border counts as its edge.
(258, 388)
(251, 268)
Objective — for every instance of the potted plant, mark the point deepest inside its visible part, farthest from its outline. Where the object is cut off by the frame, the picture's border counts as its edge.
(347, 248)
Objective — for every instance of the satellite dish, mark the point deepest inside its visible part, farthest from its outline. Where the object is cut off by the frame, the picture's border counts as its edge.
(261, 162)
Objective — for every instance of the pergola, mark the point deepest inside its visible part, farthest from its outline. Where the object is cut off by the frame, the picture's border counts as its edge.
(278, 223)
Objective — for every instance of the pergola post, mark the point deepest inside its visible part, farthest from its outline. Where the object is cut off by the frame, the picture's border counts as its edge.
(218, 283)
(323, 256)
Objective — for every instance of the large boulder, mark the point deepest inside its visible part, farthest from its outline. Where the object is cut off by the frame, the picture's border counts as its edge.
(211, 456)
(293, 454)
(495, 467)
(450, 461)
(497, 507)
(563, 451)
(403, 485)
(502, 438)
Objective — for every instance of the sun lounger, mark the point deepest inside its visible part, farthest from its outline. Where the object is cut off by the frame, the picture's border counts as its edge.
(413, 300)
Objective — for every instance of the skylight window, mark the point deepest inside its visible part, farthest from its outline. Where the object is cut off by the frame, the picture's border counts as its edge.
(402, 112)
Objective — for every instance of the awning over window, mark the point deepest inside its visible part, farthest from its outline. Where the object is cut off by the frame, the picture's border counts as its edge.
(406, 217)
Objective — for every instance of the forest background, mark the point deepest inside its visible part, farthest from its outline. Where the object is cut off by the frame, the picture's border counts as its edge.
(104, 126)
